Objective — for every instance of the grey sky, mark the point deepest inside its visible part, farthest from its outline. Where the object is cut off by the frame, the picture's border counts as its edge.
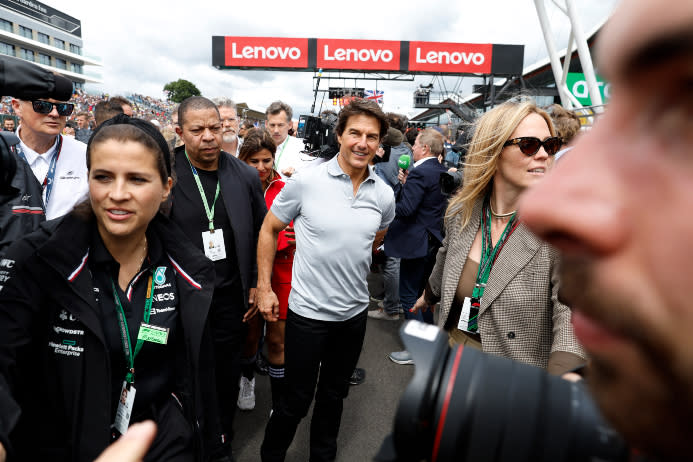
(145, 44)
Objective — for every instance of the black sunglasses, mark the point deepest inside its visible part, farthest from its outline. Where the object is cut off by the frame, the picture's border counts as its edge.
(45, 107)
(529, 145)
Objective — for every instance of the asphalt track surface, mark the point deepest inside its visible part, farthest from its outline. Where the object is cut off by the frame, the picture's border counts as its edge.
(368, 410)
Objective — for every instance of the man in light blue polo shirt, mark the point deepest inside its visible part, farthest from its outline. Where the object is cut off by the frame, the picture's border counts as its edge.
(341, 210)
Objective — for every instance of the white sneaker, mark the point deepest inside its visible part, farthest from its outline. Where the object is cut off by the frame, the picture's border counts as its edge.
(381, 314)
(246, 395)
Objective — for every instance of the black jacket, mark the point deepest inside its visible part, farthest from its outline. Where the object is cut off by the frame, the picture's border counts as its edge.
(21, 205)
(46, 298)
(245, 205)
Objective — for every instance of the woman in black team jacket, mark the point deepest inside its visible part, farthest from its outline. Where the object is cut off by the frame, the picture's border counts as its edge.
(71, 291)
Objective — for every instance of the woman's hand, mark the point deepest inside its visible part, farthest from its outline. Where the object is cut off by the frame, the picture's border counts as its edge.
(252, 306)
(421, 305)
(290, 235)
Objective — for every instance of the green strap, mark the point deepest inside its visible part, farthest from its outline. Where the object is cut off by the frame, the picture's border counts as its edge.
(488, 256)
(125, 333)
(210, 213)
(276, 164)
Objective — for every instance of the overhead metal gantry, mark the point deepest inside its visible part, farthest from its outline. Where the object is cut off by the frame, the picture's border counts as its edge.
(577, 39)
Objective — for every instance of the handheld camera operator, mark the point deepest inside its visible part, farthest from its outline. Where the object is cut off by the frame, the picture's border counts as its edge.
(340, 211)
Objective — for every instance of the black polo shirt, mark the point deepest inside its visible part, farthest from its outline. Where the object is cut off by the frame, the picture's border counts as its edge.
(155, 365)
(189, 213)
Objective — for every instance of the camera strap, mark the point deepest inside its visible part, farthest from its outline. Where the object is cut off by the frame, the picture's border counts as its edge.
(489, 253)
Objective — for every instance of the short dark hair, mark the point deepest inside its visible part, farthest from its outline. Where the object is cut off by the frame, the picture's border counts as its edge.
(194, 103)
(255, 141)
(277, 107)
(362, 107)
(104, 110)
(397, 121)
(121, 100)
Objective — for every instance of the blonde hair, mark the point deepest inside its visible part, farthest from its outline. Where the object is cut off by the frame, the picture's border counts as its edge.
(493, 129)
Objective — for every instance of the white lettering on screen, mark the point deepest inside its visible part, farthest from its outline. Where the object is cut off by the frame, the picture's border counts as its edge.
(358, 55)
(446, 57)
(259, 52)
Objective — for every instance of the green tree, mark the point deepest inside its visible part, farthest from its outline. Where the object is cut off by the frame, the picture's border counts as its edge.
(180, 90)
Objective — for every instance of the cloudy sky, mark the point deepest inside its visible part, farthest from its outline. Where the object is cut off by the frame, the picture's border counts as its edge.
(145, 44)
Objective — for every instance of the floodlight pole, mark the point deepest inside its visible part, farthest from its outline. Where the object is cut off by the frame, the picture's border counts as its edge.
(559, 72)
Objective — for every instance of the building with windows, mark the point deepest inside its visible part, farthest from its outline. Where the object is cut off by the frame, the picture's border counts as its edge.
(35, 32)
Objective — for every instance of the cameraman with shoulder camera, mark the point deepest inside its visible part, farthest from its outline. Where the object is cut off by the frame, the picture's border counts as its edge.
(618, 208)
(50, 172)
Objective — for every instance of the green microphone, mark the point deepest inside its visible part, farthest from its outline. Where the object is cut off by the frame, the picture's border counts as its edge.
(404, 161)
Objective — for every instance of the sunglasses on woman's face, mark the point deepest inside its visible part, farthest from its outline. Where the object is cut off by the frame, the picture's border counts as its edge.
(45, 107)
(529, 145)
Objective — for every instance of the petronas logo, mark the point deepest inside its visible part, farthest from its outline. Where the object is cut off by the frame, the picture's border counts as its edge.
(160, 275)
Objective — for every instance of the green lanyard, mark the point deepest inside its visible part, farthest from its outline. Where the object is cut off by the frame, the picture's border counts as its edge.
(489, 253)
(276, 164)
(210, 213)
(125, 333)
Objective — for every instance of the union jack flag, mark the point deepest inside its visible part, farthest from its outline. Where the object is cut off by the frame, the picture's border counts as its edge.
(375, 95)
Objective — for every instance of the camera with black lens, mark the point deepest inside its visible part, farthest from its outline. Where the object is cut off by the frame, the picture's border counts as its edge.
(450, 181)
(318, 134)
(464, 405)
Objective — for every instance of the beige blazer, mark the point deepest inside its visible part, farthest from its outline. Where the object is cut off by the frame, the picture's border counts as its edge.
(520, 317)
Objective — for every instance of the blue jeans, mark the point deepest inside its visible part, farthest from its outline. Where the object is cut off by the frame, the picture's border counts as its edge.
(413, 274)
(391, 303)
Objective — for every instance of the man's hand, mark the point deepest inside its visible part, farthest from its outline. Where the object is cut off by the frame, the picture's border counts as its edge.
(290, 235)
(3, 454)
(131, 447)
(402, 176)
(252, 306)
(268, 304)
(287, 172)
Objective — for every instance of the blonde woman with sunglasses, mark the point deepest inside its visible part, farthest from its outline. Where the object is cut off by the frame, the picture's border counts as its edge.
(497, 284)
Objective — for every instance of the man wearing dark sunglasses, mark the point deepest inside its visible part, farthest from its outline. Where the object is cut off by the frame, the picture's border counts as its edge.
(57, 162)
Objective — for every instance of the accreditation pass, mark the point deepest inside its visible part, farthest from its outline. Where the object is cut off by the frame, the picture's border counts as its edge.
(125, 404)
(464, 315)
(213, 244)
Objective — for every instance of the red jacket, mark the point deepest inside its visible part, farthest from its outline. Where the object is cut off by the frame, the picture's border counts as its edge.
(270, 193)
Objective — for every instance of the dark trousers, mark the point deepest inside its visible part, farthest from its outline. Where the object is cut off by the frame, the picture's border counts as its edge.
(228, 333)
(331, 350)
(413, 274)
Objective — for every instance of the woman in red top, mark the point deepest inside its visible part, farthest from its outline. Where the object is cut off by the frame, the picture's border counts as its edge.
(258, 151)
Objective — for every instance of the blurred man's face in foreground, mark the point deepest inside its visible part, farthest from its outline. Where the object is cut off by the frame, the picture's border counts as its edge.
(620, 208)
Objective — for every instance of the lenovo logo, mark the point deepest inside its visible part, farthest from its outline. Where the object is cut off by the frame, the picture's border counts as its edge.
(358, 54)
(450, 57)
(257, 52)
(266, 52)
(446, 57)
